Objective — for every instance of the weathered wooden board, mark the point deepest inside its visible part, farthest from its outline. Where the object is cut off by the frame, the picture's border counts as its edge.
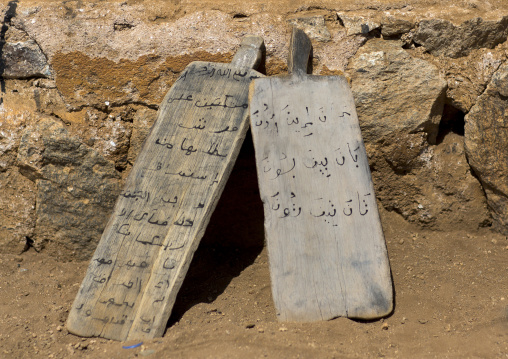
(325, 242)
(159, 218)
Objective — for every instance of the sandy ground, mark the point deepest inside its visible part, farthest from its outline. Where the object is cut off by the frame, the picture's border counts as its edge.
(450, 290)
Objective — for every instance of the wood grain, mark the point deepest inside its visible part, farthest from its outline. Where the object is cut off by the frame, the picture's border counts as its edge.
(326, 246)
(159, 218)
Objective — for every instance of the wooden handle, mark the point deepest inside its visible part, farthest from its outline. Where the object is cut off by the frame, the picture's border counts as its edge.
(299, 51)
(250, 52)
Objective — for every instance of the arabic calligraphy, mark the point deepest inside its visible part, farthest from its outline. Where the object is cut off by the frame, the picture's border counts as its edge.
(124, 229)
(226, 101)
(103, 261)
(305, 126)
(187, 175)
(181, 98)
(112, 320)
(284, 165)
(164, 143)
(211, 70)
(306, 177)
(111, 301)
(169, 191)
(136, 195)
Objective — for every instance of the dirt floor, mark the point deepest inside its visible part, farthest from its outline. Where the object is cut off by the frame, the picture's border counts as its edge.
(450, 290)
(451, 302)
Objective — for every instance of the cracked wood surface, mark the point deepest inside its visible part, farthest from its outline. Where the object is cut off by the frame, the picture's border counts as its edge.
(325, 242)
(159, 218)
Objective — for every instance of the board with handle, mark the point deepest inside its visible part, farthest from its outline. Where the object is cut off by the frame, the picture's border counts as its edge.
(326, 246)
(158, 220)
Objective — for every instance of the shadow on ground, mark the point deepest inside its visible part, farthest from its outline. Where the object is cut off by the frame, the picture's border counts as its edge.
(233, 239)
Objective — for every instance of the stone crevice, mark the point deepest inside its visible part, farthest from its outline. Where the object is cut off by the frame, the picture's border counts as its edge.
(106, 109)
(452, 121)
(10, 13)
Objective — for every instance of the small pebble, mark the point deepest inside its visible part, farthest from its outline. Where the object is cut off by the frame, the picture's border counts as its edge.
(401, 241)
(59, 328)
(385, 326)
(261, 330)
(250, 325)
(423, 321)
(283, 329)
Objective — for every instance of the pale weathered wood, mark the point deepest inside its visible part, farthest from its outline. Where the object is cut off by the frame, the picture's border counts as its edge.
(145, 251)
(325, 242)
(249, 55)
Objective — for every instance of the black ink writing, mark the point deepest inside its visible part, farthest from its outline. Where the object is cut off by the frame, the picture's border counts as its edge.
(213, 151)
(169, 200)
(227, 101)
(158, 300)
(136, 195)
(103, 261)
(164, 143)
(160, 284)
(124, 230)
(112, 320)
(189, 150)
(215, 180)
(130, 284)
(169, 263)
(156, 222)
(200, 126)
(99, 279)
(293, 212)
(184, 222)
(355, 156)
(181, 98)
(226, 129)
(187, 175)
(280, 171)
(111, 301)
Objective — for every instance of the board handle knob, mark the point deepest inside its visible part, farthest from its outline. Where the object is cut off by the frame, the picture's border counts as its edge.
(250, 52)
(299, 52)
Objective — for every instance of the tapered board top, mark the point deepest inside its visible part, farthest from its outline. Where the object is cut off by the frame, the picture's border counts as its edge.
(325, 242)
(162, 213)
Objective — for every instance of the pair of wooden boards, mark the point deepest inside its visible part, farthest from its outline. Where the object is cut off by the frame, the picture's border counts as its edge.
(326, 247)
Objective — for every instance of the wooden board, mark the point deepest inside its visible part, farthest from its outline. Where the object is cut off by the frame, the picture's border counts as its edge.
(325, 242)
(159, 218)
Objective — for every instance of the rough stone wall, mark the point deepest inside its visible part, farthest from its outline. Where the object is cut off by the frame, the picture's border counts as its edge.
(81, 83)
